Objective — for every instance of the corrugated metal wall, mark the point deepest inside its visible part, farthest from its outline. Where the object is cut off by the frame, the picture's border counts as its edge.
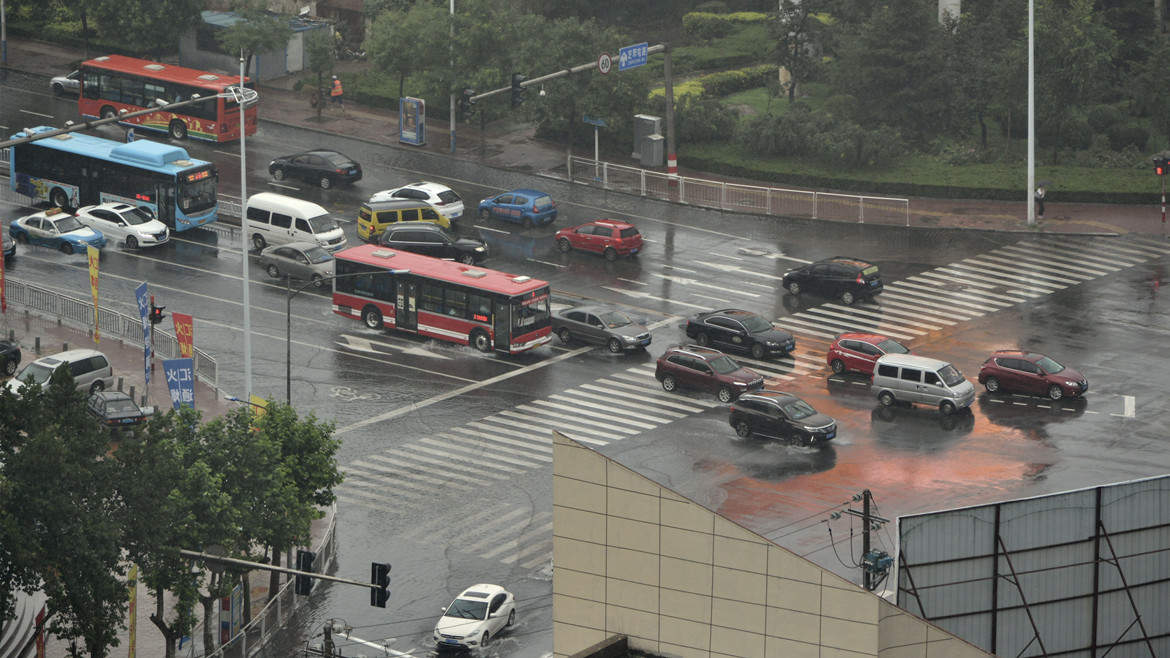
(1038, 576)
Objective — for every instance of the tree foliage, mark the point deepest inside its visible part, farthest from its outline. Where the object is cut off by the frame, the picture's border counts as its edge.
(257, 32)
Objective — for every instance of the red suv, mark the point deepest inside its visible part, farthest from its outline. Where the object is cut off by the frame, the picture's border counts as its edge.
(609, 237)
(1028, 372)
(859, 351)
(706, 369)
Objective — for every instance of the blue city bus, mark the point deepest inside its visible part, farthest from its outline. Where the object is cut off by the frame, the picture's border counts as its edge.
(73, 170)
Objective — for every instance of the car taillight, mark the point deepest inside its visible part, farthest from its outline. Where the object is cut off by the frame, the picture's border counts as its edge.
(860, 279)
(341, 171)
(534, 207)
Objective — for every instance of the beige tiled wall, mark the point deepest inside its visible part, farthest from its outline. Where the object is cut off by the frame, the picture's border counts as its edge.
(634, 558)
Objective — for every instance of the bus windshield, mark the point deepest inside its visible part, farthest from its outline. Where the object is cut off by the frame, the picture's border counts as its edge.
(197, 196)
(535, 314)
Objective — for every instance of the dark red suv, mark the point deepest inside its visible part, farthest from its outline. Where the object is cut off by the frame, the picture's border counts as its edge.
(706, 369)
(859, 351)
(1017, 371)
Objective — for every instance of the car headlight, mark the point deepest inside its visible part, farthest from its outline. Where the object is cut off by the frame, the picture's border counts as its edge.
(771, 343)
(630, 339)
(478, 249)
(1068, 383)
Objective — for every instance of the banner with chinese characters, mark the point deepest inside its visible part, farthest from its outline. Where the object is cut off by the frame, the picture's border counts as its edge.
(93, 285)
(180, 374)
(142, 298)
(3, 297)
(184, 333)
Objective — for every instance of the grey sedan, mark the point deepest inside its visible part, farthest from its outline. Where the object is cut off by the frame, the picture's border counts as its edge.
(300, 260)
(603, 325)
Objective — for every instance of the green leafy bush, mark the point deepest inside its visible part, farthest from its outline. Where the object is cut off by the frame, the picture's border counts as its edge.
(1102, 117)
(1126, 134)
(705, 26)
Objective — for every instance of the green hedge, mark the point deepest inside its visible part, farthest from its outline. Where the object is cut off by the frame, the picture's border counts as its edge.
(727, 161)
(722, 83)
(702, 25)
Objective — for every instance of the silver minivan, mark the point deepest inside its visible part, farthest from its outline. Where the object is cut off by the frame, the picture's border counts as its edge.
(91, 370)
(912, 378)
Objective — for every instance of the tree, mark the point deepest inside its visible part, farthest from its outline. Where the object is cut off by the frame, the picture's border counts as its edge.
(893, 63)
(320, 49)
(57, 512)
(1148, 86)
(795, 32)
(157, 24)
(406, 41)
(257, 32)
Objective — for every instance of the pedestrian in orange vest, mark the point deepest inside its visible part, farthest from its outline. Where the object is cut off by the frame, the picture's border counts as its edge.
(336, 93)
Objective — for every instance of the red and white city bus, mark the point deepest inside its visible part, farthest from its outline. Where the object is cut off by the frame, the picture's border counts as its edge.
(113, 83)
(447, 300)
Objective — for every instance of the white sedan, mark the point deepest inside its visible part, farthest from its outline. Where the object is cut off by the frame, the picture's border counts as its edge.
(475, 616)
(446, 200)
(124, 223)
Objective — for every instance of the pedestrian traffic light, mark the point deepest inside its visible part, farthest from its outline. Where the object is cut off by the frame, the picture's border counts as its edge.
(466, 102)
(156, 312)
(380, 579)
(304, 583)
(1160, 165)
(517, 89)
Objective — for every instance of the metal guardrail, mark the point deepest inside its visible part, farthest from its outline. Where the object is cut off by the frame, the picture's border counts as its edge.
(734, 196)
(276, 614)
(113, 324)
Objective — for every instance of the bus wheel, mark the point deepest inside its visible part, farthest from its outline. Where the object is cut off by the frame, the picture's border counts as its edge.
(372, 317)
(59, 198)
(178, 130)
(109, 112)
(480, 341)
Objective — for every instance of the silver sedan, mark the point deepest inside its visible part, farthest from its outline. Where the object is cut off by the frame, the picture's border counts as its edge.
(603, 325)
(307, 261)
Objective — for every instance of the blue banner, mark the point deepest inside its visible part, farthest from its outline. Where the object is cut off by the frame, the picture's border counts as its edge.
(180, 374)
(143, 298)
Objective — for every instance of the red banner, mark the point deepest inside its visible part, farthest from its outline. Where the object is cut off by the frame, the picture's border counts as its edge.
(184, 333)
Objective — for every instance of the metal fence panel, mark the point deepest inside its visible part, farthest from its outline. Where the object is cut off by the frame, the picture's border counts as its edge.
(739, 197)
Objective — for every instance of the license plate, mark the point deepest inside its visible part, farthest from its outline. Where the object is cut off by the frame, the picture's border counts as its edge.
(352, 171)
(447, 641)
(645, 342)
(873, 283)
(830, 435)
(633, 251)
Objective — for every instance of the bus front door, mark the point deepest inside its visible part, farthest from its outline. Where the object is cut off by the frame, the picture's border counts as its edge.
(502, 325)
(406, 313)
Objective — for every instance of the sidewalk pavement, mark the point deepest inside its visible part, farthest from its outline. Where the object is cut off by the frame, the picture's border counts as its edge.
(510, 146)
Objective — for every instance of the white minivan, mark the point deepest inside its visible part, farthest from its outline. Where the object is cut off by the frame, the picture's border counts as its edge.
(279, 219)
(91, 370)
(912, 378)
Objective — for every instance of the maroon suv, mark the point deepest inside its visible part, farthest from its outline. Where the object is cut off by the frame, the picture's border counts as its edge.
(706, 369)
(1017, 371)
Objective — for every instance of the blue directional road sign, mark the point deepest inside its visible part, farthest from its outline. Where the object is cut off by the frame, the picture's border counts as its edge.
(632, 56)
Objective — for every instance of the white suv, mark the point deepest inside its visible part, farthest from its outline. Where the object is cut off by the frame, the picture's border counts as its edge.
(442, 197)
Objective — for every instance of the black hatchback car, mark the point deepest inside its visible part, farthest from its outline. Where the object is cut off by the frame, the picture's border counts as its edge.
(847, 279)
(9, 357)
(433, 240)
(781, 415)
(323, 168)
(740, 330)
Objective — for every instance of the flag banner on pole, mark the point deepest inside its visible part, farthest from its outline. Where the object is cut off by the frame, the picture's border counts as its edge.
(92, 252)
(184, 333)
(180, 374)
(142, 297)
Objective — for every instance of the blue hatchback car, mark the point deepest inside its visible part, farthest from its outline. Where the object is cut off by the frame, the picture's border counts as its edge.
(526, 207)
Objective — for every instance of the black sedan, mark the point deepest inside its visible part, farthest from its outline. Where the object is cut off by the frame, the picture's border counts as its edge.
(603, 325)
(740, 330)
(116, 410)
(324, 168)
(781, 415)
(9, 357)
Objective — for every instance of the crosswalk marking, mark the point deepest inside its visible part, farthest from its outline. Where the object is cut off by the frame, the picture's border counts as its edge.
(513, 442)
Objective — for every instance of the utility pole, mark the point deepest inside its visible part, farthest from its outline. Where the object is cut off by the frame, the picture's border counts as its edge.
(875, 563)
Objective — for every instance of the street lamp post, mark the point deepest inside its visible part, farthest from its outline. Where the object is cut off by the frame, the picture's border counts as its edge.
(288, 319)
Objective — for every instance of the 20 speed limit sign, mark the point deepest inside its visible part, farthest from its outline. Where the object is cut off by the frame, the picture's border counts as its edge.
(604, 63)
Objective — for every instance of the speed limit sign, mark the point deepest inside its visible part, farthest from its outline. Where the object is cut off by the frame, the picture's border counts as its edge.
(604, 63)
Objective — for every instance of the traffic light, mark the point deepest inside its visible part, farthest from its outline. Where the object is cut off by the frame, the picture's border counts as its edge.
(380, 579)
(466, 102)
(304, 584)
(156, 312)
(517, 89)
(1160, 165)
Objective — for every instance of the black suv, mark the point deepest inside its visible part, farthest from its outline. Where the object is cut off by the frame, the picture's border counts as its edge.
(706, 369)
(782, 415)
(847, 279)
(740, 330)
(433, 240)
